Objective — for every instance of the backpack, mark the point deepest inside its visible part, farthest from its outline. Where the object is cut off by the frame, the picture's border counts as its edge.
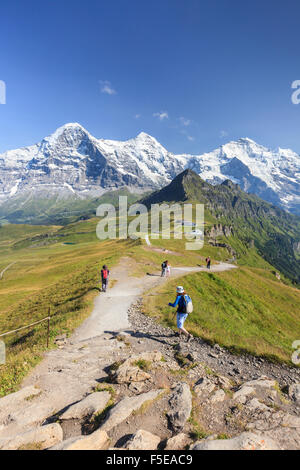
(188, 304)
(104, 273)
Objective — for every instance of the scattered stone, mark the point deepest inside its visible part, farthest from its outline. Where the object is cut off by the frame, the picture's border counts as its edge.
(98, 440)
(181, 406)
(245, 441)
(177, 442)
(143, 440)
(213, 354)
(37, 439)
(125, 407)
(92, 404)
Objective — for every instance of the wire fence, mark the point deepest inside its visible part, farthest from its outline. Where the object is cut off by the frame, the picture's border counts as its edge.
(30, 326)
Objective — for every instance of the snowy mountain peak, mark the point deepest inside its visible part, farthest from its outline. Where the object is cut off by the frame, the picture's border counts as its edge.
(72, 160)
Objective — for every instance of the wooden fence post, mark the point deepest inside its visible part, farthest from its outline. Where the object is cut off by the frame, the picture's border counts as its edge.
(48, 332)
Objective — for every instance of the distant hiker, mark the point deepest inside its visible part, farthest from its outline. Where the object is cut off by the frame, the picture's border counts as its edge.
(168, 269)
(208, 262)
(104, 277)
(164, 268)
(184, 306)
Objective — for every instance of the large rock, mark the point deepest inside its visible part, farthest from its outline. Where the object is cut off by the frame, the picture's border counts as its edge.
(256, 405)
(263, 382)
(245, 441)
(242, 393)
(25, 417)
(177, 442)
(181, 406)
(92, 404)
(217, 397)
(125, 407)
(204, 386)
(143, 440)
(37, 439)
(224, 382)
(14, 399)
(129, 371)
(98, 440)
(294, 392)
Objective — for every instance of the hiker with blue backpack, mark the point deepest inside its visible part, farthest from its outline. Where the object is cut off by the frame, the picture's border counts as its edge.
(184, 306)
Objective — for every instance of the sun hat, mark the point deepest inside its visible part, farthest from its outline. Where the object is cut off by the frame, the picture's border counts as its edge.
(180, 290)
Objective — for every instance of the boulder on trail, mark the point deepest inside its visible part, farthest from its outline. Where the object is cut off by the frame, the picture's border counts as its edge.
(37, 439)
(224, 382)
(125, 407)
(262, 382)
(217, 397)
(256, 405)
(90, 405)
(14, 399)
(177, 442)
(132, 369)
(25, 416)
(98, 440)
(242, 393)
(128, 373)
(143, 440)
(204, 386)
(181, 406)
(245, 441)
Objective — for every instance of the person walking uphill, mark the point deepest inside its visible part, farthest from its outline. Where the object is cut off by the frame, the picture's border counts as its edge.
(164, 265)
(208, 261)
(104, 277)
(184, 306)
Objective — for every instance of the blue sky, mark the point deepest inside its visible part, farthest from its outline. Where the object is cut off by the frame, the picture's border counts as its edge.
(194, 74)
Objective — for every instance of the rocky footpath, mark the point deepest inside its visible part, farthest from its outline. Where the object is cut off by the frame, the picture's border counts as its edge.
(146, 389)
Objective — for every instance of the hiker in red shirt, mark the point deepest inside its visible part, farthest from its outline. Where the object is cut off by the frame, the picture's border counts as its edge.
(104, 277)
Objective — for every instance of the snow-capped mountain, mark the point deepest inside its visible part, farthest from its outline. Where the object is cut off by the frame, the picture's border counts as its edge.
(73, 162)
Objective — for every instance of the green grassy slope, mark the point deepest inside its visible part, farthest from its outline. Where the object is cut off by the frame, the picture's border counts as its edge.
(244, 310)
(55, 209)
(57, 275)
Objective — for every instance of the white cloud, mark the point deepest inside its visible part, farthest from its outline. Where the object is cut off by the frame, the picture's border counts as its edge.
(223, 134)
(189, 137)
(137, 116)
(107, 88)
(162, 115)
(184, 121)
